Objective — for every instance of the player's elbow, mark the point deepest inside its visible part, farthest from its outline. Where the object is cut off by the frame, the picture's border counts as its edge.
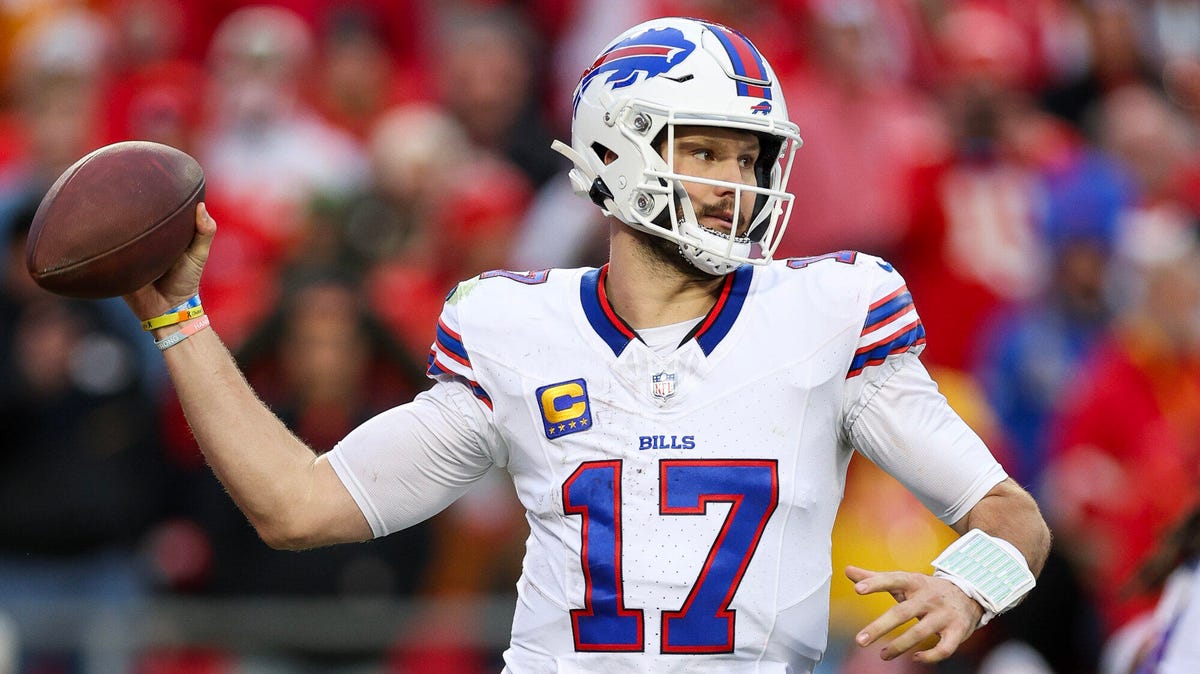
(288, 534)
(304, 528)
(278, 541)
(324, 514)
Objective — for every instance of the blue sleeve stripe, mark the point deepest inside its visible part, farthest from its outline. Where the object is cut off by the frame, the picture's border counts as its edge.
(480, 393)
(436, 369)
(877, 353)
(451, 345)
(892, 307)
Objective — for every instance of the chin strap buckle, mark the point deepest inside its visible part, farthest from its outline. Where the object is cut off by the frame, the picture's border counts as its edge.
(599, 193)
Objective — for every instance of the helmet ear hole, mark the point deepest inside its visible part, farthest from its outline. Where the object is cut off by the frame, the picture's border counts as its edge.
(604, 154)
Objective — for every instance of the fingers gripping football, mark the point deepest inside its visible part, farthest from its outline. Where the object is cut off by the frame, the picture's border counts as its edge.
(943, 612)
(182, 280)
(184, 276)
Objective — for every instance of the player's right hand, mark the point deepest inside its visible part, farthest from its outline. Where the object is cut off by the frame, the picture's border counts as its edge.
(945, 615)
(182, 280)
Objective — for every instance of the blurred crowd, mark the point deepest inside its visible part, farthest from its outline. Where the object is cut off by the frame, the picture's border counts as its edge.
(1030, 166)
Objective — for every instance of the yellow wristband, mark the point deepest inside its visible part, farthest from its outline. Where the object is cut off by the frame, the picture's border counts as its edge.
(171, 318)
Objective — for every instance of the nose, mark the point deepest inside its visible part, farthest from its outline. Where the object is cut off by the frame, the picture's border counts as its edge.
(730, 171)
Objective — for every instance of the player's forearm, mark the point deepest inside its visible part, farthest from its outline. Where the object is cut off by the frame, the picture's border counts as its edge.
(264, 467)
(1009, 512)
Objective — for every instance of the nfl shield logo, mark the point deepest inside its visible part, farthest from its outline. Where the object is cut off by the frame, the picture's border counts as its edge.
(662, 385)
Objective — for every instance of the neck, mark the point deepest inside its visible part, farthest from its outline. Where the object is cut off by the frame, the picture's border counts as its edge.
(650, 285)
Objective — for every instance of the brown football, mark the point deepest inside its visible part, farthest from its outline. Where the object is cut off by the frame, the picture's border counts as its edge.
(114, 221)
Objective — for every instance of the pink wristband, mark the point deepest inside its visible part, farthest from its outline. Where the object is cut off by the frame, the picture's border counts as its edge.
(189, 328)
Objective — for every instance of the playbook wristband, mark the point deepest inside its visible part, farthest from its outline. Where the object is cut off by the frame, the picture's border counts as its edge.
(988, 569)
(183, 333)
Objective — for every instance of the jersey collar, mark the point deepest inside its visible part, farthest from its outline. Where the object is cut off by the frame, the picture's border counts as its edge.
(708, 333)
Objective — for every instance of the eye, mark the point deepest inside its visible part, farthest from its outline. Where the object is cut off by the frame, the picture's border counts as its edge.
(703, 154)
(747, 161)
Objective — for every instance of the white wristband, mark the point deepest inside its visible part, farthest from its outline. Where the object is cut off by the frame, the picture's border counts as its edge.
(989, 570)
(188, 330)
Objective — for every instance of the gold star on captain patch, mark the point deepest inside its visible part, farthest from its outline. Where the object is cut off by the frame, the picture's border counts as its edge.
(572, 424)
(562, 427)
(550, 430)
(583, 422)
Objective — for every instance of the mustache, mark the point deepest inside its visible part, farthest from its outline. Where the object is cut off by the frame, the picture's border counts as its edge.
(720, 209)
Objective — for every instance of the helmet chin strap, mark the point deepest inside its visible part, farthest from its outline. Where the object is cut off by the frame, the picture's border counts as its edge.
(706, 262)
(688, 226)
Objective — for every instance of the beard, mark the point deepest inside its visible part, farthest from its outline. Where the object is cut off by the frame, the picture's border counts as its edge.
(666, 254)
(669, 254)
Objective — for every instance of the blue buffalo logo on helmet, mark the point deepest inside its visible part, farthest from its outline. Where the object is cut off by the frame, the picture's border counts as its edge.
(648, 54)
(763, 108)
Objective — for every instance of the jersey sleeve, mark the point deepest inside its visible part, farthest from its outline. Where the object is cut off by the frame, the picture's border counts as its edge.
(905, 426)
(449, 359)
(410, 462)
(891, 325)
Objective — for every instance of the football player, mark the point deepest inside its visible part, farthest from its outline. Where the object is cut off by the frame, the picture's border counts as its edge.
(677, 423)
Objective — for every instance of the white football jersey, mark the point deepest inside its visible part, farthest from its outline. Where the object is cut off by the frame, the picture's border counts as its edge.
(680, 503)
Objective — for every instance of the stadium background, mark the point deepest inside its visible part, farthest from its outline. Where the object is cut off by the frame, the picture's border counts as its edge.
(1029, 166)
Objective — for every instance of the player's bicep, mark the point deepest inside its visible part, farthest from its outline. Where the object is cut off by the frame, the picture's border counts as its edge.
(906, 427)
(410, 462)
(340, 517)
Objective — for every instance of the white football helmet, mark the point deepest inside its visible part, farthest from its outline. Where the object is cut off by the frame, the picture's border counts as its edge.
(666, 73)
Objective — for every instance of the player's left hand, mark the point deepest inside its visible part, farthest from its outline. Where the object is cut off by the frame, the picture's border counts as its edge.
(182, 280)
(942, 610)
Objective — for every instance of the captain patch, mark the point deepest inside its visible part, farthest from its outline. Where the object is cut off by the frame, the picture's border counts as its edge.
(565, 408)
